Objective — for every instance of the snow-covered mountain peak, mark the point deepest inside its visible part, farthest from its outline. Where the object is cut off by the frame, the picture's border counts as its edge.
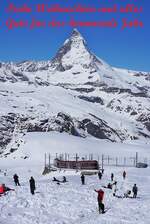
(77, 38)
(73, 54)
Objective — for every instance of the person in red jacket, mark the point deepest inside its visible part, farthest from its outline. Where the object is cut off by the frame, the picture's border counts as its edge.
(4, 189)
(1, 189)
(100, 200)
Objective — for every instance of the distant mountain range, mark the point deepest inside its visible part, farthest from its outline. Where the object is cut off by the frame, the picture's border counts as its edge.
(75, 92)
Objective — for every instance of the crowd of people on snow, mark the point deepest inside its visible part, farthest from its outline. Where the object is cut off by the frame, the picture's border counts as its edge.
(111, 185)
(4, 189)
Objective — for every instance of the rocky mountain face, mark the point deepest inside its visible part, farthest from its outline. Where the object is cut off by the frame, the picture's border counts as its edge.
(75, 92)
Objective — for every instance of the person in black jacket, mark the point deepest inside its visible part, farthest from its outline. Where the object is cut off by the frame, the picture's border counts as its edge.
(134, 190)
(112, 176)
(99, 175)
(16, 180)
(83, 179)
(64, 179)
(32, 185)
(124, 174)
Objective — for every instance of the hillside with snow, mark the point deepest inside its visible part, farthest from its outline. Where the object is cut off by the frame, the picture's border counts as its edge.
(76, 92)
(73, 103)
(72, 202)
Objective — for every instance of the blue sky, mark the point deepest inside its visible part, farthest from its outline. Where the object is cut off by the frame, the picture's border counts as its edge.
(129, 48)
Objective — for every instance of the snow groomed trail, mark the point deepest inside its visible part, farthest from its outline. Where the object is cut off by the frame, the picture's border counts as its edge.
(71, 202)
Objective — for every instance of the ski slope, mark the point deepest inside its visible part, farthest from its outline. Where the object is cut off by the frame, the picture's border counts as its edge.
(71, 203)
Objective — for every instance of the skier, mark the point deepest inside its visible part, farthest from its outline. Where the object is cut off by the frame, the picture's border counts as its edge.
(4, 189)
(83, 179)
(32, 185)
(124, 174)
(134, 190)
(112, 176)
(100, 197)
(16, 180)
(100, 175)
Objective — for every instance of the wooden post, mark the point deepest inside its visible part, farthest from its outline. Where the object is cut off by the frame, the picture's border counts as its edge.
(116, 161)
(136, 159)
(76, 157)
(124, 161)
(60, 156)
(49, 158)
(65, 156)
(98, 161)
(45, 160)
(102, 162)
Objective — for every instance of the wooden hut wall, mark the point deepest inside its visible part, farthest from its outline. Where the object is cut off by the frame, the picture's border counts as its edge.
(77, 164)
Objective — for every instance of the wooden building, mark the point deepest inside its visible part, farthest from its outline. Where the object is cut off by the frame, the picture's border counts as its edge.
(80, 164)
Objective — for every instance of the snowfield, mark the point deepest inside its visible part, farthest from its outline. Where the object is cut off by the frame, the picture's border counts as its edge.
(71, 202)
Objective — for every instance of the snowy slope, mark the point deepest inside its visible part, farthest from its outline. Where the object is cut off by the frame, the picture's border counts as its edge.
(34, 145)
(71, 202)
